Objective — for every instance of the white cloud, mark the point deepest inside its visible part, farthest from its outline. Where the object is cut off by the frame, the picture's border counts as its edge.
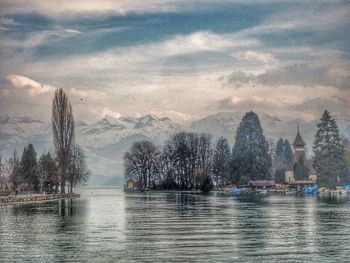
(328, 73)
(24, 83)
(135, 63)
(38, 38)
(6, 22)
(255, 56)
(200, 41)
(301, 18)
(73, 31)
(89, 8)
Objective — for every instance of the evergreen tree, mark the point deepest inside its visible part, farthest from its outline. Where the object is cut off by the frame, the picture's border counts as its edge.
(222, 156)
(280, 148)
(279, 175)
(47, 171)
(280, 163)
(250, 157)
(346, 144)
(29, 167)
(329, 159)
(288, 153)
(301, 172)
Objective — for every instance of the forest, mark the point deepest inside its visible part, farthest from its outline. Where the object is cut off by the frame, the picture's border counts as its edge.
(191, 161)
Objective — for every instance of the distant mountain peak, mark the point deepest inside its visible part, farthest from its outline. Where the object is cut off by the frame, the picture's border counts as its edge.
(5, 119)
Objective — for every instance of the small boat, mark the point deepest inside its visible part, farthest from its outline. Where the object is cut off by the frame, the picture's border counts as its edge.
(311, 190)
(238, 191)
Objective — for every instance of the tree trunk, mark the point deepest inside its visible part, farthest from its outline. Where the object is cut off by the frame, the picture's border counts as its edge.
(63, 186)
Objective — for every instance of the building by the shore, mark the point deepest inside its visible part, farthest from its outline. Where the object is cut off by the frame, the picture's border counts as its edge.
(299, 153)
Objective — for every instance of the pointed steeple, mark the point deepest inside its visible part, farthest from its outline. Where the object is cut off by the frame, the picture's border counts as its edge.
(298, 142)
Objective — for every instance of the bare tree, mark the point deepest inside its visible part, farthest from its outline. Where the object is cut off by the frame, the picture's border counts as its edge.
(78, 171)
(141, 163)
(184, 156)
(63, 132)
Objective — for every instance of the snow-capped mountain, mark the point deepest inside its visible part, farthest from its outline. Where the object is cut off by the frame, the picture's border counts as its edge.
(109, 130)
(16, 132)
(106, 140)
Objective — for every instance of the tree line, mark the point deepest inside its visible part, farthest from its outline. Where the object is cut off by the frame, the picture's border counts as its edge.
(190, 161)
(52, 172)
(29, 173)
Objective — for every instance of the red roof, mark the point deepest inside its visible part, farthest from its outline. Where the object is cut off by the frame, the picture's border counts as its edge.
(301, 182)
(262, 183)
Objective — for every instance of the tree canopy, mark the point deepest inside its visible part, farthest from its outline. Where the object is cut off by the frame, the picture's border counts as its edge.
(329, 155)
(250, 156)
(63, 132)
(221, 158)
(29, 167)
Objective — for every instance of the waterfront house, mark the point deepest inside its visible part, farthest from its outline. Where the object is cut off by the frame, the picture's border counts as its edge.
(300, 185)
(261, 184)
(131, 185)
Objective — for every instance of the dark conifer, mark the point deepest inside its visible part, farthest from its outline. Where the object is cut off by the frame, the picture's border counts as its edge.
(300, 170)
(29, 167)
(329, 161)
(250, 157)
(288, 153)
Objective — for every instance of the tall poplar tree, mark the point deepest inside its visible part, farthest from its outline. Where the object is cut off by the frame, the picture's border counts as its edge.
(250, 157)
(63, 132)
(329, 160)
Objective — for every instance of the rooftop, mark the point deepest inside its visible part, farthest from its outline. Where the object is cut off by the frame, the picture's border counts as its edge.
(298, 140)
(262, 183)
(301, 182)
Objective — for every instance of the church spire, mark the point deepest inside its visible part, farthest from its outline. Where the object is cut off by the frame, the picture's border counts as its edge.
(298, 142)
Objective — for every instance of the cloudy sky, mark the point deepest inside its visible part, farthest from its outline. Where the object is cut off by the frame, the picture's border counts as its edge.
(181, 59)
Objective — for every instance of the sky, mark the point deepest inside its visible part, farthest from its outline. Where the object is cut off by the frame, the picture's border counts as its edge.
(180, 59)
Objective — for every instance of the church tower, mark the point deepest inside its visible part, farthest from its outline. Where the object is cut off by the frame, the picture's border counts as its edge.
(299, 152)
(299, 148)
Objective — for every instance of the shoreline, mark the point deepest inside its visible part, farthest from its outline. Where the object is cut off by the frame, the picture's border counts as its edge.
(35, 199)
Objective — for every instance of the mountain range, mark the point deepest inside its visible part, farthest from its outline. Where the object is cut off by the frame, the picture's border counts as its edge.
(106, 140)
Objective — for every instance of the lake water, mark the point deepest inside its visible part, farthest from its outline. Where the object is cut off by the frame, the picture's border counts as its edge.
(108, 225)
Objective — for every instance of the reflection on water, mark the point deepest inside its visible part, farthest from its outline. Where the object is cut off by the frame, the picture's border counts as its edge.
(109, 225)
